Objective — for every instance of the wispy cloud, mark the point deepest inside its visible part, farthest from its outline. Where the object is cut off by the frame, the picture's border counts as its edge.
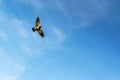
(0, 3)
(37, 4)
(55, 38)
(11, 74)
(32, 52)
(60, 6)
(26, 49)
(20, 26)
(83, 13)
(10, 69)
(59, 34)
(3, 36)
(23, 32)
(12, 23)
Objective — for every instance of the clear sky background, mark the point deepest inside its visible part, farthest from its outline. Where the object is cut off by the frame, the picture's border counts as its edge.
(82, 40)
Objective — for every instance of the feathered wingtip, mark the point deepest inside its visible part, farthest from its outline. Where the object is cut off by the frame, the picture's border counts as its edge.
(33, 29)
(42, 35)
(37, 19)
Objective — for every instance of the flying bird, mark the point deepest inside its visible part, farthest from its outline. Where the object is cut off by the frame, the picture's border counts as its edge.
(38, 28)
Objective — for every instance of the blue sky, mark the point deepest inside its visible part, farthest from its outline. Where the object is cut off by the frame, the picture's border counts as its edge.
(82, 40)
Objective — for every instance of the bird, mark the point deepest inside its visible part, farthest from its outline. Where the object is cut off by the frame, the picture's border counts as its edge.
(38, 27)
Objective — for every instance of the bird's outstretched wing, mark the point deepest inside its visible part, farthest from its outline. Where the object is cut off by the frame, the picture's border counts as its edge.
(37, 22)
(41, 33)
